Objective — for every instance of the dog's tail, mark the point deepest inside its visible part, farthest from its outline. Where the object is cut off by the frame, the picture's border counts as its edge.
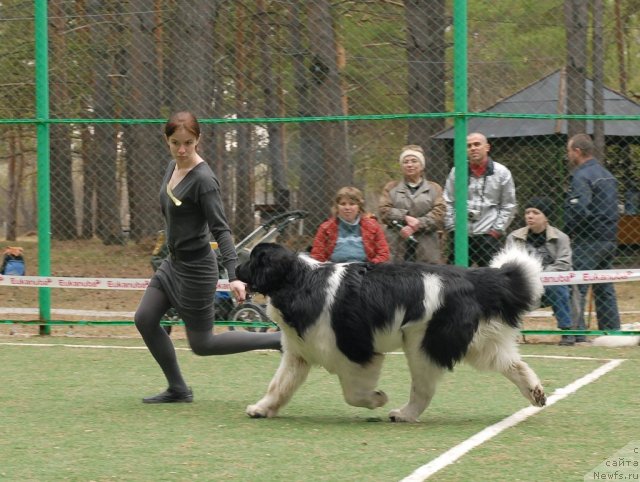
(517, 288)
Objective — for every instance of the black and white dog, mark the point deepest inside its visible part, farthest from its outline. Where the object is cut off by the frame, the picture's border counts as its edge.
(344, 317)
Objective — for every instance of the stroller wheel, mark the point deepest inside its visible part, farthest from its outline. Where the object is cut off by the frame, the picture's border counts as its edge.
(170, 315)
(250, 312)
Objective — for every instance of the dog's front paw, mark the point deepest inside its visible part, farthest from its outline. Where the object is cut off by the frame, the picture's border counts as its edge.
(537, 396)
(398, 415)
(257, 411)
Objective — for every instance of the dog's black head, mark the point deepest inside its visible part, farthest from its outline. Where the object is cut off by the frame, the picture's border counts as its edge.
(269, 267)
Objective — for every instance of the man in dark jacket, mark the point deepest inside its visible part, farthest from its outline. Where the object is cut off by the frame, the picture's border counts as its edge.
(591, 220)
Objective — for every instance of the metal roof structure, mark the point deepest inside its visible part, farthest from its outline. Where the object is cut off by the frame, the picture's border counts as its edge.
(548, 96)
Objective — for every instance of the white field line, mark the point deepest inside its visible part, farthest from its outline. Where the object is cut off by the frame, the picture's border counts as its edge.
(558, 357)
(566, 357)
(453, 454)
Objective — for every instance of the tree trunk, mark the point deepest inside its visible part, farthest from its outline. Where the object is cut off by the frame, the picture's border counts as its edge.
(146, 153)
(309, 156)
(63, 218)
(576, 24)
(244, 189)
(89, 184)
(275, 155)
(190, 37)
(327, 166)
(108, 227)
(598, 79)
(13, 194)
(221, 166)
(426, 22)
(622, 69)
(87, 211)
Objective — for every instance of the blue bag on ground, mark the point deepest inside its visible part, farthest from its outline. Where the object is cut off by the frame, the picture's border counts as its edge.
(13, 262)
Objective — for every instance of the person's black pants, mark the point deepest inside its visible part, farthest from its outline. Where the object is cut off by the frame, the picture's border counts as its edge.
(482, 248)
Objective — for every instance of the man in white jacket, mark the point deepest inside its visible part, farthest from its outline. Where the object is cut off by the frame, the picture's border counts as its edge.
(491, 201)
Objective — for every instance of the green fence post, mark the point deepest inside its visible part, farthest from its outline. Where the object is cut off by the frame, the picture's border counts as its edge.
(42, 116)
(460, 130)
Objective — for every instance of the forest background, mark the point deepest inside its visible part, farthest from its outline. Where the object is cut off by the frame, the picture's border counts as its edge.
(117, 68)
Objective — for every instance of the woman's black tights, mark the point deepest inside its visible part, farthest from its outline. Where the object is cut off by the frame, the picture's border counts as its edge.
(154, 305)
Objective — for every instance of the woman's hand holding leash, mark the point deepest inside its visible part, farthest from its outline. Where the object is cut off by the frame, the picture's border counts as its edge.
(238, 289)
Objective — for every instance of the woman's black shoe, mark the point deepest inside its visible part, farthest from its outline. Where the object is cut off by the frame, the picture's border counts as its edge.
(170, 396)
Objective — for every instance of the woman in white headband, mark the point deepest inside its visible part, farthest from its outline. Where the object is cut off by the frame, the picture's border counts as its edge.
(413, 211)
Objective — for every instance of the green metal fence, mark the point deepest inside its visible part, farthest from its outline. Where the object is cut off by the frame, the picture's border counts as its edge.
(298, 99)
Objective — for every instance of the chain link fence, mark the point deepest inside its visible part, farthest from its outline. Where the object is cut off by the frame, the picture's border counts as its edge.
(272, 82)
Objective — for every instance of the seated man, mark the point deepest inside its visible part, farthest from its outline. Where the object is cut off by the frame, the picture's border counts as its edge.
(553, 247)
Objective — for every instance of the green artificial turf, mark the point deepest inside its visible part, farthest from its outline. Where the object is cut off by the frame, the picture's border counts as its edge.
(75, 414)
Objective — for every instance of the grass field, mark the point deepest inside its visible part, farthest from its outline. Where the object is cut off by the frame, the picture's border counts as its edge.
(72, 411)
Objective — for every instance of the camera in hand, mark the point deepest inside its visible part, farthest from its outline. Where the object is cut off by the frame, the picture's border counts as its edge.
(399, 226)
(474, 214)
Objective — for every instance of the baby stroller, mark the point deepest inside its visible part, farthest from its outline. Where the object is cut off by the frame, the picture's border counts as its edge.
(251, 314)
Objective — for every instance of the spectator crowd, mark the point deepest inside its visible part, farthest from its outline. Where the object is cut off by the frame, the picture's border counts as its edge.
(416, 221)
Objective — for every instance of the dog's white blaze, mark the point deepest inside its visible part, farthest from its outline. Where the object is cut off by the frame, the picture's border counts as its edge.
(333, 283)
(323, 348)
(314, 263)
(432, 294)
(432, 298)
(319, 344)
(392, 337)
(319, 341)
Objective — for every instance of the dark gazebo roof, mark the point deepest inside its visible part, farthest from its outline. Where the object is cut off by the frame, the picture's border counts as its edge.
(548, 96)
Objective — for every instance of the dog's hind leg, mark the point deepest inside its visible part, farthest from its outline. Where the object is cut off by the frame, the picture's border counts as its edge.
(521, 374)
(494, 348)
(291, 373)
(359, 383)
(425, 375)
(424, 380)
